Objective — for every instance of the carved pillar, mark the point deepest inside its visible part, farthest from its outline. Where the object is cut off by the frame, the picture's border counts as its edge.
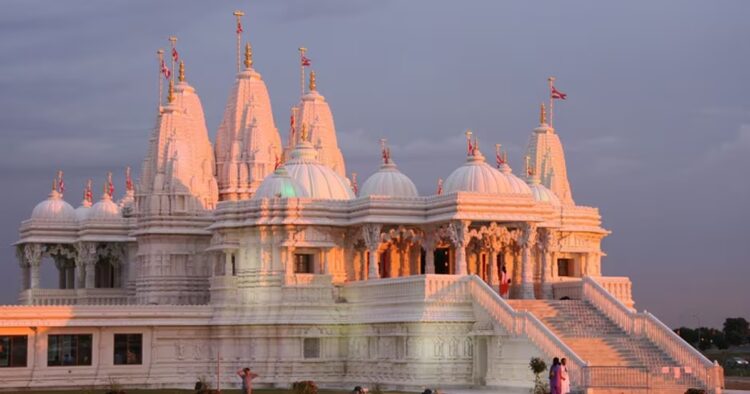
(527, 241)
(371, 236)
(549, 244)
(458, 231)
(403, 265)
(86, 264)
(428, 243)
(33, 255)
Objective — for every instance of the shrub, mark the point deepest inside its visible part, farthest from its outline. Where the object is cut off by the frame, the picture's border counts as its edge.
(305, 387)
(538, 366)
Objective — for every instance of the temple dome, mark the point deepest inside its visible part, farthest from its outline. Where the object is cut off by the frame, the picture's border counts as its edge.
(388, 181)
(318, 180)
(542, 194)
(104, 209)
(517, 185)
(279, 185)
(54, 208)
(82, 212)
(477, 176)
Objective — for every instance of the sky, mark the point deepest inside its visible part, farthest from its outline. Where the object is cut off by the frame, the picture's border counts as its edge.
(656, 127)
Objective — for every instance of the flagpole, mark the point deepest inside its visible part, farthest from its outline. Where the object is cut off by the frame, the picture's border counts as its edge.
(551, 81)
(302, 51)
(173, 42)
(160, 54)
(239, 14)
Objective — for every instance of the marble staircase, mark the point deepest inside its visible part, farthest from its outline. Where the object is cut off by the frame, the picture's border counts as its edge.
(605, 346)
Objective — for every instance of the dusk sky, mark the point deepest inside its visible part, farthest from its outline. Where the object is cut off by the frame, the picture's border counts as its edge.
(656, 127)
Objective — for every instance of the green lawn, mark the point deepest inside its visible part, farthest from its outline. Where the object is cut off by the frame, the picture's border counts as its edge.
(176, 391)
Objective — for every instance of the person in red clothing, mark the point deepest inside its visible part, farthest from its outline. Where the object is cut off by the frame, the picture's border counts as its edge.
(247, 377)
(504, 282)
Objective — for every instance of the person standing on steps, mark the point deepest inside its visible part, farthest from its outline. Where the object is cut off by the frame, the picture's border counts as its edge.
(554, 377)
(247, 377)
(565, 379)
(504, 283)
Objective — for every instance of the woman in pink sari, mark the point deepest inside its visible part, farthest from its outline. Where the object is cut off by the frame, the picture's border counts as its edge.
(555, 378)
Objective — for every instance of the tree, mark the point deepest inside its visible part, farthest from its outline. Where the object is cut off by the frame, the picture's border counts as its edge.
(736, 330)
(688, 334)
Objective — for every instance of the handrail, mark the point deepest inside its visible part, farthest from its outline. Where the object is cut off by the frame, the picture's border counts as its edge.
(525, 323)
(647, 325)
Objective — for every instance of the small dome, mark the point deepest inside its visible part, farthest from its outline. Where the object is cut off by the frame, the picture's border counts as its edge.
(279, 185)
(104, 209)
(517, 185)
(318, 180)
(388, 181)
(479, 177)
(82, 212)
(541, 193)
(54, 208)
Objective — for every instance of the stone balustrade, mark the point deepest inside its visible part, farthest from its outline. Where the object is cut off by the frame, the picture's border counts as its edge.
(53, 297)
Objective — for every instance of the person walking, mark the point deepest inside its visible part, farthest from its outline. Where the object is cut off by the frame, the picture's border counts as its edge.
(504, 282)
(247, 377)
(565, 379)
(554, 377)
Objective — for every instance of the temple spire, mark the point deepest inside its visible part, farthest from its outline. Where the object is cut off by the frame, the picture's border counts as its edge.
(248, 56)
(181, 77)
(542, 114)
(170, 94)
(313, 84)
(385, 151)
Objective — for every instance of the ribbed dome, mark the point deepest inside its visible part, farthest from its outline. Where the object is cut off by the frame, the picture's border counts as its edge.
(541, 193)
(104, 209)
(517, 185)
(82, 212)
(388, 181)
(318, 180)
(54, 209)
(479, 177)
(279, 185)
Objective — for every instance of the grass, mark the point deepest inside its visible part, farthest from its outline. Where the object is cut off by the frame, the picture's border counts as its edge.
(180, 391)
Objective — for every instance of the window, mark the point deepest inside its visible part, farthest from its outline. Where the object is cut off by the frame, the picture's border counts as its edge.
(303, 263)
(13, 350)
(69, 350)
(128, 349)
(311, 347)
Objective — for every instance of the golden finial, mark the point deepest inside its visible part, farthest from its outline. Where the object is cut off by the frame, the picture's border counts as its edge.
(182, 71)
(313, 85)
(303, 133)
(248, 55)
(170, 95)
(542, 115)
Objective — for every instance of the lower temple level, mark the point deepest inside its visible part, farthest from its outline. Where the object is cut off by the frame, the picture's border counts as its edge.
(407, 333)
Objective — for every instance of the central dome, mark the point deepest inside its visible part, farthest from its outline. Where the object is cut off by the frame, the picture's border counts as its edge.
(318, 180)
(477, 176)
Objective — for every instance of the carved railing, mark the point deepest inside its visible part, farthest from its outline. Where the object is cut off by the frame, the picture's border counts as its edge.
(644, 324)
(54, 297)
(526, 325)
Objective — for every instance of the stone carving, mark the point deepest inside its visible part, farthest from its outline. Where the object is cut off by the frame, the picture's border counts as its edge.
(371, 236)
(32, 254)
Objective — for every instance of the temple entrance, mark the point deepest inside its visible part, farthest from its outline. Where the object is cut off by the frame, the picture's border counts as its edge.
(442, 261)
(564, 267)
